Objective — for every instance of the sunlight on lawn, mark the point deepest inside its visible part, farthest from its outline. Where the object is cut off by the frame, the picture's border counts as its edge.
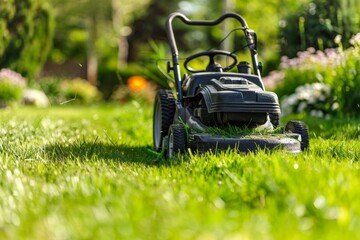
(76, 172)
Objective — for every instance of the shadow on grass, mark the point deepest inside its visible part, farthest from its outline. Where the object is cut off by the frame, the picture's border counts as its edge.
(103, 151)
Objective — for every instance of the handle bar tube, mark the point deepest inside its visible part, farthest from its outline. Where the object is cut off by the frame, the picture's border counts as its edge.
(184, 19)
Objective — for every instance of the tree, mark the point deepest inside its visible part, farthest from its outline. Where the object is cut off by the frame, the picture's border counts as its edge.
(317, 23)
(81, 16)
(26, 28)
(150, 26)
(101, 22)
(124, 12)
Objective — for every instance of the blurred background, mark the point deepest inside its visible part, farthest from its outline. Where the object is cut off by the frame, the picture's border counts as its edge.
(56, 51)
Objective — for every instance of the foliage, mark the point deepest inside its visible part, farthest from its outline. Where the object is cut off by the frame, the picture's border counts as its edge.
(335, 67)
(124, 94)
(71, 34)
(317, 23)
(9, 92)
(264, 17)
(261, 16)
(35, 97)
(63, 90)
(188, 39)
(113, 83)
(110, 78)
(346, 80)
(120, 27)
(51, 87)
(315, 99)
(155, 65)
(26, 28)
(11, 86)
(150, 26)
(85, 173)
(79, 90)
(309, 66)
(96, 32)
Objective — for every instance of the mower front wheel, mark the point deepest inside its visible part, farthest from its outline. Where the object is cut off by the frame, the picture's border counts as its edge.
(164, 111)
(177, 140)
(300, 128)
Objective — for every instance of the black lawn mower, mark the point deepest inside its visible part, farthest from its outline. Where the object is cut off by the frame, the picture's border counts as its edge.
(223, 95)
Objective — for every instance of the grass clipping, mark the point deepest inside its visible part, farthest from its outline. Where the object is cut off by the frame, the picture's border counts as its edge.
(231, 131)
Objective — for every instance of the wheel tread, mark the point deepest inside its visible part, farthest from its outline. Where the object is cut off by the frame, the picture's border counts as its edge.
(167, 107)
(300, 128)
(179, 139)
(167, 101)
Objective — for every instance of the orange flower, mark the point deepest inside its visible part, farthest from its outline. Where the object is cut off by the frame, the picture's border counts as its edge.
(137, 83)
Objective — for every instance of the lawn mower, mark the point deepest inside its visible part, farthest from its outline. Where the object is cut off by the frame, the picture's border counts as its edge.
(226, 94)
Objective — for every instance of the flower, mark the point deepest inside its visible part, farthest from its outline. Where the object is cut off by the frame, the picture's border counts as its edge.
(273, 78)
(12, 77)
(355, 40)
(337, 39)
(137, 83)
(307, 59)
(11, 86)
(312, 98)
(35, 97)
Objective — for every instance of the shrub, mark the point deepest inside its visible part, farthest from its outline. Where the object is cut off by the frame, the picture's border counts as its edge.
(138, 89)
(346, 81)
(26, 28)
(317, 24)
(9, 93)
(35, 97)
(108, 80)
(154, 66)
(315, 99)
(337, 68)
(80, 91)
(11, 86)
(51, 87)
(310, 66)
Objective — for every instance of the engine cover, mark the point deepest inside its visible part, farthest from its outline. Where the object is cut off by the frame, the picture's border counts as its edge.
(234, 101)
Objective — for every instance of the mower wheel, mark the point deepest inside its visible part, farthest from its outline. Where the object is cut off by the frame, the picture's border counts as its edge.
(164, 111)
(299, 127)
(177, 140)
(274, 119)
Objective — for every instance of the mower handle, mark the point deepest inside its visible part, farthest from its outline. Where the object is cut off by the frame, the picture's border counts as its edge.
(184, 19)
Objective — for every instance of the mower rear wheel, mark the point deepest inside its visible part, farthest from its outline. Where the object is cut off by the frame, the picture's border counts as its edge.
(299, 127)
(164, 111)
(177, 140)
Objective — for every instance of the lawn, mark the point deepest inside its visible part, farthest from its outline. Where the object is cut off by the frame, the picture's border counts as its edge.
(72, 172)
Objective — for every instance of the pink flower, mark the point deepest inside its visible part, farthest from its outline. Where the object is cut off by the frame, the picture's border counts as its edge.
(12, 77)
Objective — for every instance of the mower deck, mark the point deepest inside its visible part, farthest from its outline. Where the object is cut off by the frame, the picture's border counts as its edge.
(201, 142)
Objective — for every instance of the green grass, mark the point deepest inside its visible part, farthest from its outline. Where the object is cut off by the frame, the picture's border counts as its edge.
(74, 172)
(234, 131)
